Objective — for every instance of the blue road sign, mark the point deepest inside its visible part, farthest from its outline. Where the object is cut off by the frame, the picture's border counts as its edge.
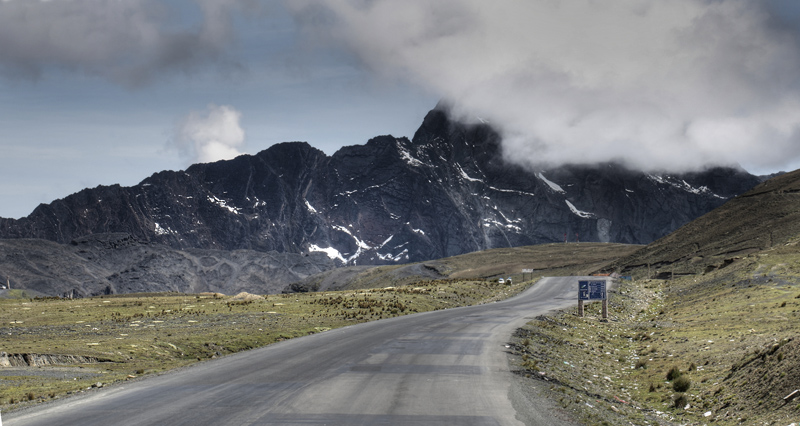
(591, 290)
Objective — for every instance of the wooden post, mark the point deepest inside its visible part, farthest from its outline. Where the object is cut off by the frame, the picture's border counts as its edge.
(580, 308)
(605, 307)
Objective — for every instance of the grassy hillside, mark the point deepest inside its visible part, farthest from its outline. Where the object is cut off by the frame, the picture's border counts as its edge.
(725, 321)
(765, 217)
(732, 334)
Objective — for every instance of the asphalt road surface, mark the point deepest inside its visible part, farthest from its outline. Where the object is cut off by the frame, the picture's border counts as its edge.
(445, 367)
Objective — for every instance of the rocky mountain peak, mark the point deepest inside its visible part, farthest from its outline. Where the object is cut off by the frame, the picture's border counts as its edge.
(445, 192)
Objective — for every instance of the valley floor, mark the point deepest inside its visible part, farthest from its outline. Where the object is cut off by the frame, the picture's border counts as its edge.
(52, 347)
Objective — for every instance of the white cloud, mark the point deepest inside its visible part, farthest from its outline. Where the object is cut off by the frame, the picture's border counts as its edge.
(128, 42)
(660, 85)
(210, 135)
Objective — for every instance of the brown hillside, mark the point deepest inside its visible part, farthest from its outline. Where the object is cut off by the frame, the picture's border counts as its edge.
(766, 216)
(546, 260)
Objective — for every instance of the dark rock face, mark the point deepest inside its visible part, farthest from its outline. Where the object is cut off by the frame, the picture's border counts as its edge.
(446, 192)
(118, 263)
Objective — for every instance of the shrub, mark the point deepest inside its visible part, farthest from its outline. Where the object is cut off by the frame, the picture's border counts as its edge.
(680, 401)
(673, 373)
(681, 384)
(641, 364)
(529, 364)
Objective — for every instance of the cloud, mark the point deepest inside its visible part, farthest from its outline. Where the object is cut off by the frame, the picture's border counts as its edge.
(671, 85)
(210, 135)
(129, 42)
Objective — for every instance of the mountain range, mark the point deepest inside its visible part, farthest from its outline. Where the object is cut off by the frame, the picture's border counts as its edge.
(447, 191)
(291, 210)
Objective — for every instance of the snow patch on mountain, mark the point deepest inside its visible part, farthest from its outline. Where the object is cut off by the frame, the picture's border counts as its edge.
(348, 193)
(399, 257)
(489, 222)
(223, 204)
(683, 185)
(310, 207)
(469, 178)
(507, 219)
(386, 242)
(554, 186)
(417, 231)
(332, 253)
(405, 154)
(583, 214)
(359, 243)
(530, 194)
(160, 230)
(466, 176)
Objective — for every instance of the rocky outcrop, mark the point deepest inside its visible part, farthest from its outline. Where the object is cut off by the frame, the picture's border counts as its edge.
(447, 191)
(42, 360)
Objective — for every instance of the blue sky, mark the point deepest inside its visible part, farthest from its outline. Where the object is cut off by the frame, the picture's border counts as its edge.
(98, 92)
(66, 129)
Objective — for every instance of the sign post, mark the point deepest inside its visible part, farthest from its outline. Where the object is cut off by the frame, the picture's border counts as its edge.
(592, 290)
(527, 271)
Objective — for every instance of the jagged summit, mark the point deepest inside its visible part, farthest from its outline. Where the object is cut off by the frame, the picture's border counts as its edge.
(445, 192)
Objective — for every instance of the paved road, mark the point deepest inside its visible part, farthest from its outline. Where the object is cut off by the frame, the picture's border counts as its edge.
(437, 368)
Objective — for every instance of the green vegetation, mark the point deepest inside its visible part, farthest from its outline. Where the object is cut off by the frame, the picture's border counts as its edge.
(681, 384)
(132, 335)
(724, 344)
(680, 401)
(673, 374)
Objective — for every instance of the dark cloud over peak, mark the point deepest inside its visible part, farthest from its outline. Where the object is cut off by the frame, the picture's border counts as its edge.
(661, 85)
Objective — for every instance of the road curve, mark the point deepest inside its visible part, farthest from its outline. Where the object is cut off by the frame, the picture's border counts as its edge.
(437, 368)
